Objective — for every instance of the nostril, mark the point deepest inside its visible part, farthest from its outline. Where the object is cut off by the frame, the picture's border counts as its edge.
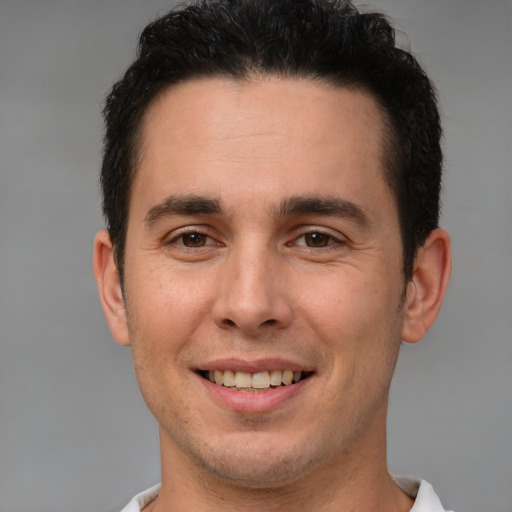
(230, 323)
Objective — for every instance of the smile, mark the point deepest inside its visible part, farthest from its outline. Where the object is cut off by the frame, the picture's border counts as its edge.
(259, 381)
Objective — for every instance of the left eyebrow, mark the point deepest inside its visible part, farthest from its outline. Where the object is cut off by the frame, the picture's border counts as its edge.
(323, 206)
(182, 205)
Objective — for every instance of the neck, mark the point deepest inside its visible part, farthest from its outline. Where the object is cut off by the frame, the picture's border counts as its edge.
(354, 481)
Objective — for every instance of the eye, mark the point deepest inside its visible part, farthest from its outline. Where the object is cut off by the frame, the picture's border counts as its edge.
(193, 239)
(192, 243)
(315, 239)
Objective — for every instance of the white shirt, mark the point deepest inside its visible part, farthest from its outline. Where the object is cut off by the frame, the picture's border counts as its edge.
(425, 499)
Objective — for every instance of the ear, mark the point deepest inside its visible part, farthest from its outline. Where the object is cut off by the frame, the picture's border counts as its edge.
(109, 287)
(425, 291)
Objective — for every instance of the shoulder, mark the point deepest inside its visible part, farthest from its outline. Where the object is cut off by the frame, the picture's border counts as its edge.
(425, 498)
(142, 499)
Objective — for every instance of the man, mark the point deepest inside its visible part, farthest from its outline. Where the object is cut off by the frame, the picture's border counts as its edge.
(271, 187)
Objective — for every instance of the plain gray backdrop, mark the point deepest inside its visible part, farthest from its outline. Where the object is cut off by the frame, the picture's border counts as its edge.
(75, 435)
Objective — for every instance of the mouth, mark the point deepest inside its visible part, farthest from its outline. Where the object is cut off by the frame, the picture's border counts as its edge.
(254, 382)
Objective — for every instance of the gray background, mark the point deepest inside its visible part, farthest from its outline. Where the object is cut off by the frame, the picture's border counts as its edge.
(74, 432)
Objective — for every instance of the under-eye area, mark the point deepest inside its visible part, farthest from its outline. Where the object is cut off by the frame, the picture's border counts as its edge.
(259, 381)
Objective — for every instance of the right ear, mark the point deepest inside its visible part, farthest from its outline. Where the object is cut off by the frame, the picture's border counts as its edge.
(109, 287)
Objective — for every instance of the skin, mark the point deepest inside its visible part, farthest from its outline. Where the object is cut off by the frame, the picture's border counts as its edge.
(260, 283)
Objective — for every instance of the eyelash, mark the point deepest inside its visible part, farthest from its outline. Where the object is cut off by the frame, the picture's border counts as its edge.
(329, 240)
(327, 237)
(180, 239)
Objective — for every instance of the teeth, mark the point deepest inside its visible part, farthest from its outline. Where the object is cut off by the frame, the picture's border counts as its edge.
(260, 380)
(229, 378)
(243, 380)
(287, 377)
(276, 378)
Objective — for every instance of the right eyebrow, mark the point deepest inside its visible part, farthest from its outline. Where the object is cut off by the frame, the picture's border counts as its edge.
(324, 206)
(182, 205)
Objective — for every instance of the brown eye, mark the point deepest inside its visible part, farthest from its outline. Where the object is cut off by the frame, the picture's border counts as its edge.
(194, 239)
(317, 239)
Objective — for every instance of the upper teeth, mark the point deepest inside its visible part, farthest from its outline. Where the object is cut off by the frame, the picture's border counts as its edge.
(260, 380)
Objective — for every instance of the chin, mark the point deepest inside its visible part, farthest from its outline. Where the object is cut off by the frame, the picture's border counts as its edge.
(251, 464)
(257, 474)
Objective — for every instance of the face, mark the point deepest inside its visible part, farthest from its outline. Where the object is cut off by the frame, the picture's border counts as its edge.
(263, 276)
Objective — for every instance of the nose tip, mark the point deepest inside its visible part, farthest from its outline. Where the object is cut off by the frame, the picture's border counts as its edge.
(253, 300)
(250, 322)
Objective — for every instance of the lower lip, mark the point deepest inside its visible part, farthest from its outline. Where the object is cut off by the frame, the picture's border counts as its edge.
(253, 402)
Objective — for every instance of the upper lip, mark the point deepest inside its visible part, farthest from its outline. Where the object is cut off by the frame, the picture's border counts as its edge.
(254, 366)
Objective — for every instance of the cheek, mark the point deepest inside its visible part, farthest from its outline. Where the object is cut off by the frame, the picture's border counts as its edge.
(164, 313)
(347, 299)
(356, 315)
(164, 305)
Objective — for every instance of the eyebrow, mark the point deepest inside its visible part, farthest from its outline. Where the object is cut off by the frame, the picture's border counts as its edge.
(323, 206)
(298, 205)
(182, 205)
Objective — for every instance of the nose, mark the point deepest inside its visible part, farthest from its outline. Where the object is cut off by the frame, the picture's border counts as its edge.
(252, 294)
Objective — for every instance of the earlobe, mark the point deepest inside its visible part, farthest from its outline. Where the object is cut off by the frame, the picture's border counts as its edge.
(109, 287)
(426, 290)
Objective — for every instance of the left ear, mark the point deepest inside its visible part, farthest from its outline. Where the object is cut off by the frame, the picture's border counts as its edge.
(109, 287)
(426, 289)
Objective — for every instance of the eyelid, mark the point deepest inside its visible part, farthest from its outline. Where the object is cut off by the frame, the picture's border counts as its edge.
(336, 241)
(178, 233)
(174, 236)
(337, 238)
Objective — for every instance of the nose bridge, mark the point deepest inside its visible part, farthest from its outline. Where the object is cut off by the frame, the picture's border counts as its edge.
(251, 292)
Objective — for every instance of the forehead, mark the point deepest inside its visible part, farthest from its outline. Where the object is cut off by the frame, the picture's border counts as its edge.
(299, 132)
(205, 107)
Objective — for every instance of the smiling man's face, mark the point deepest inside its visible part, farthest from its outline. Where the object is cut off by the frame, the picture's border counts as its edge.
(263, 277)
